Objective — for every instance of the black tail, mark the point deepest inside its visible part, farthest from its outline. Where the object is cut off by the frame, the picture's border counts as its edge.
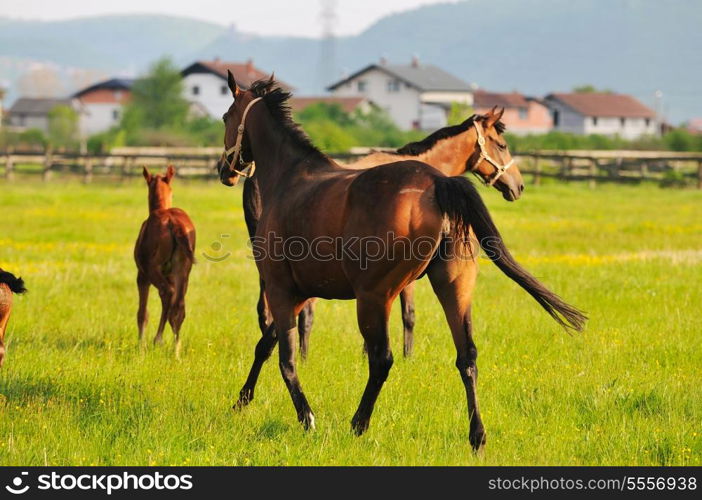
(461, 203)
(15, 284)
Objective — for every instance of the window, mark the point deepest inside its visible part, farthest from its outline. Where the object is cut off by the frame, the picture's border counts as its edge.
(196, 90)
(648, 122)
(21, 120)
(224, 89)
(622, 121)
(556, 117)
(594, 121)
(115, 114)
(393, 85)
(361, 85)
(523, 113)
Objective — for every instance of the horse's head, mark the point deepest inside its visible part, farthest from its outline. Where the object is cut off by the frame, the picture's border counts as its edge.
(492, 161)
(160, 190)
(236, 160)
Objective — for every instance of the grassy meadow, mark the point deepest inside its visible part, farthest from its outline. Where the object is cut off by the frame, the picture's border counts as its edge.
(76, 389)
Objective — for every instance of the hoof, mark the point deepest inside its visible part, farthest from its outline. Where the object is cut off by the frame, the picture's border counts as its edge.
(158, 340)
(477, 440)
(359, 425)
(307, 422)
(245, 397)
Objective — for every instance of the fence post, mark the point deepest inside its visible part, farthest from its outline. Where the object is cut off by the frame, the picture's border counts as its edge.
(537, 170)
(46, 172)
(88, 174)
(9, 166)
(593, 172)
(699, 174)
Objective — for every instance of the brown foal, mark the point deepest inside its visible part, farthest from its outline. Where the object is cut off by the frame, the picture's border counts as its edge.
(164, 254)
(9, 284)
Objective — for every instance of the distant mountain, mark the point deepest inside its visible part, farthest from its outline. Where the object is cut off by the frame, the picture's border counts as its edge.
(534, 46)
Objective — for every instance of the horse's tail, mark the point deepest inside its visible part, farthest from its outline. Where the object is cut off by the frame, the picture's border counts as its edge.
(15, 284)
(184, 239)
(461, 203)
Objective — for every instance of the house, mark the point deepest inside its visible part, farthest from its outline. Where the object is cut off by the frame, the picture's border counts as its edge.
(523, 115)
(415, 95)
(601, 113)
(33, 113)
(205, 83)
(102, 104)
(347, 104)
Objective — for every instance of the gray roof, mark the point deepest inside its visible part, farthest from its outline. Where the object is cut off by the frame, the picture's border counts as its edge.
(37, 106)
(424, 77)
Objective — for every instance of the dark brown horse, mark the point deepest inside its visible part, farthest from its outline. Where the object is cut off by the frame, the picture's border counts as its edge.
(9, 284)
(164, 254)
(451, 150)
(308, 199)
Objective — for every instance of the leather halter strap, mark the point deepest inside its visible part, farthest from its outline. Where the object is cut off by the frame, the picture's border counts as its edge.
(247, 169)
(499, 168)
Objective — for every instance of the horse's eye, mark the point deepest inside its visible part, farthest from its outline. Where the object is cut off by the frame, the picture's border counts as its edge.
(502, 146)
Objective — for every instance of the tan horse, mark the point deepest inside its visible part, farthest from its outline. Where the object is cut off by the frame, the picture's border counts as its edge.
(9, 284)
(164, 254)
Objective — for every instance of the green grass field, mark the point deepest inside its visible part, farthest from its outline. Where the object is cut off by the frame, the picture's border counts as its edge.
(77, 390)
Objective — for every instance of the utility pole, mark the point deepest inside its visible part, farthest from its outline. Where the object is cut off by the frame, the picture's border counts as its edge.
(659, 111)
(327, 53)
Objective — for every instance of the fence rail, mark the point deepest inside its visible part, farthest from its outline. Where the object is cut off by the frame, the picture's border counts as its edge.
(590, 166)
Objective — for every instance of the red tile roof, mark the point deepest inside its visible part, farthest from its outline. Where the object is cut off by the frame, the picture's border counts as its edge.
(483, 99)
(348, 104)
(596, 104)
(244, 73)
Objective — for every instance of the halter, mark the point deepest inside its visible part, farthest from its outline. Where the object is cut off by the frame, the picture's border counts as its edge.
(247, 169)
(499, 168)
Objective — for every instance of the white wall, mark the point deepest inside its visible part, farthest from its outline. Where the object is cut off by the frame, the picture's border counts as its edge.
(98, 117)
(448, 97)
(403, 105)
(568, 120)
(631, 129)
(40, 122)
(214, 94)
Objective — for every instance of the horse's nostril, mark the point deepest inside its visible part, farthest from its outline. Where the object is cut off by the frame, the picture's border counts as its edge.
(521, 188)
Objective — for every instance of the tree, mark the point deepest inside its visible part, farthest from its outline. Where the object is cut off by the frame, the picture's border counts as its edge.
(458, 113)
(157, 99)
(590, 89)
(63, 126)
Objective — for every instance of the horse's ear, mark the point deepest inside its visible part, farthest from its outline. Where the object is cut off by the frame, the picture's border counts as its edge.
(232, 84)
(494, 116)
(146, 174)
(170, 172)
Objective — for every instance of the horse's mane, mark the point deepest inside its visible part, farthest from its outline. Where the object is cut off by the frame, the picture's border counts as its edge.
(277, 101)
(419, 147)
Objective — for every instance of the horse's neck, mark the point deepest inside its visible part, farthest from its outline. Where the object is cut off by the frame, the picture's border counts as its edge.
(451, 155)
(280, 160)
(158, 203)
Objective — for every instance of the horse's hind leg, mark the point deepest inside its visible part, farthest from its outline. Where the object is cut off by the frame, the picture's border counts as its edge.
(166, 291)
(453, 283)
(373, 321)
(142, 313)
(304, 326)
(176, 314)
(407, 302)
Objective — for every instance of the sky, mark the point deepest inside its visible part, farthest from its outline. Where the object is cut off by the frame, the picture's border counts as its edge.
(264, 17)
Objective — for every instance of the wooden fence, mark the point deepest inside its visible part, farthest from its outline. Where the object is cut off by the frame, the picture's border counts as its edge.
(590, 166)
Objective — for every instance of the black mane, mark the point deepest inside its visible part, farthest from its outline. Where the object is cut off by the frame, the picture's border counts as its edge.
(419, 147)
(277, 101)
